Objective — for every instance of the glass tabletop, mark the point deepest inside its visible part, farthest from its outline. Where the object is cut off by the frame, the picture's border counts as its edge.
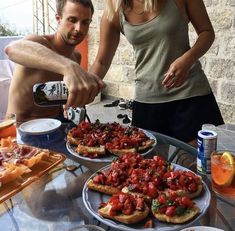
(54, 201)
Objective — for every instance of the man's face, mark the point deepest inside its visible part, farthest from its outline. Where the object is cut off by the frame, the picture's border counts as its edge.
(74, 23)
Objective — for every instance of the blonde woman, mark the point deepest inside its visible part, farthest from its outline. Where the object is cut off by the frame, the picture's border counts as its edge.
(172, 93)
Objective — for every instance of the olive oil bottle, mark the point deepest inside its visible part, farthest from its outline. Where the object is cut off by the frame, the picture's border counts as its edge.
(52, 93)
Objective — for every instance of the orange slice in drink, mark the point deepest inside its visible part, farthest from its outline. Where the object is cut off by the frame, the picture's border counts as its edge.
(228, 158)
(6, 123)
(7, 128)
(223, 172)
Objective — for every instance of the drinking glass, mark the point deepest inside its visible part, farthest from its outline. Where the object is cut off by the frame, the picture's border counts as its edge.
(223, 172)
(209, 127)
(7, 125)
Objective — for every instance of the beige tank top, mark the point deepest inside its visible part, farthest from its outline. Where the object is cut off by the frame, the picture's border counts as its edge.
(157, 43)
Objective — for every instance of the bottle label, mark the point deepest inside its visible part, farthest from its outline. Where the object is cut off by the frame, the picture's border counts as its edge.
(54, 90)
(50, 92)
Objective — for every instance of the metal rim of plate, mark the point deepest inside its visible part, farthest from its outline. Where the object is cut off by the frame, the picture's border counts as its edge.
(202, 201)
(202, 228)
(110, 157)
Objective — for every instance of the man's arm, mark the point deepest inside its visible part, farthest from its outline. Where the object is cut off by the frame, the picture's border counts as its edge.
(83, 86)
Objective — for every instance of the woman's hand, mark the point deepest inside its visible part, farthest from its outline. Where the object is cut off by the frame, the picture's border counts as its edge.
(177, 73)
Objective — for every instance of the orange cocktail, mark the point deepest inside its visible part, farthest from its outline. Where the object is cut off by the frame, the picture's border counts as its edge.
(7, 126)
(223, 172)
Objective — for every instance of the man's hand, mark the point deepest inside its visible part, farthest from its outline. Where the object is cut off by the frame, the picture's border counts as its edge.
(83, 86)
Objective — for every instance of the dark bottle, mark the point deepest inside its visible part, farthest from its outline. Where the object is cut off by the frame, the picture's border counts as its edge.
(52, 93)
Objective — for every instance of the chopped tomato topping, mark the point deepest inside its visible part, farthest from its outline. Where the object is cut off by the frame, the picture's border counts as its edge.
(171, 204)
(125, 203)
(148, 224)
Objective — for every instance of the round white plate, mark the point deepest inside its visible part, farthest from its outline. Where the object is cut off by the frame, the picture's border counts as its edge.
(40, 126)
(201, 228)
(92, 200)
(109, 157)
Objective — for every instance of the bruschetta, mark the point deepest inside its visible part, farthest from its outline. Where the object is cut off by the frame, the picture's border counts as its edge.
(125, 208)
(174, 208)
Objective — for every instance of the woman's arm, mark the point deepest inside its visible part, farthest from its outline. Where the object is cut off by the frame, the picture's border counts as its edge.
(199, 18)
(109, 40)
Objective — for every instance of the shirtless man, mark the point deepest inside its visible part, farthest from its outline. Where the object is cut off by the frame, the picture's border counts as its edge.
(53, 58)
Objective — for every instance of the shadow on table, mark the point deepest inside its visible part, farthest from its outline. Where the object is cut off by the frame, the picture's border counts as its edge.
(57, 199)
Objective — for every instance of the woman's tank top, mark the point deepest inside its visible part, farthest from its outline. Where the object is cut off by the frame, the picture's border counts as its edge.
(157, 43)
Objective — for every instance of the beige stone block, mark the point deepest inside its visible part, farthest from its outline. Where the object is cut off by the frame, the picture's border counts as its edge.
(116, 58)
(92, 36)
(111, 89)
(123, 41)
(221, 18)
(92, 51)
(214, 86)
(127, 56)
(126, 91)
(221, 68)
(232, 3)
(208, 3)
(129, 73)
(229, 47)
(98, 4)
(115, 74)
(227, 92)
(228, 112)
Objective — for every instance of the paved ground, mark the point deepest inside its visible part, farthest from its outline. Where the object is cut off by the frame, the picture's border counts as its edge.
(106, 114)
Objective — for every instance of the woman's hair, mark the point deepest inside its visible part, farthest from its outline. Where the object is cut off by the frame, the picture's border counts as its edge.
(113, 6)
(61, 3)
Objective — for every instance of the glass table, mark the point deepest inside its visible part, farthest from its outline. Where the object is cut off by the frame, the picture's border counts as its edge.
(54, 201)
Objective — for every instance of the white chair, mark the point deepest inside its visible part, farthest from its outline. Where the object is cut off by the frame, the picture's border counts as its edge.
(6, 71)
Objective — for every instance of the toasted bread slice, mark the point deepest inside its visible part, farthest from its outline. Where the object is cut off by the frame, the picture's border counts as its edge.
(121, 152)
(184, 180)
(110, 190)
(127, 219)
(100, 150)
(186, 193)
(125, 208)
(174, 208)
(147, 144)
(196, 193)
(188, 215)
(147, 199)
(71, 139)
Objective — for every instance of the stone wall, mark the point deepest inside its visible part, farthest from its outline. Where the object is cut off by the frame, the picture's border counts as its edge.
(218, 62)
